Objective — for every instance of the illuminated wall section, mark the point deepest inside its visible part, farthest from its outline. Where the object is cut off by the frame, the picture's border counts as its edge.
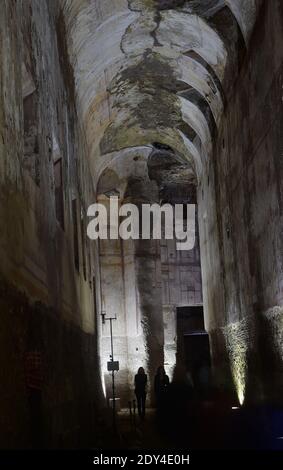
(237, 343)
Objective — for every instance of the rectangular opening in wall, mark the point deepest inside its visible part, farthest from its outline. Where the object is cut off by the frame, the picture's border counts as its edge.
(193, 349)
(189, 320)
(31, 132)
(59, 195)
(75, 234)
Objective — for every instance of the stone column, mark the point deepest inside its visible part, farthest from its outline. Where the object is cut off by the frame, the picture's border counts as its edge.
(148, 347)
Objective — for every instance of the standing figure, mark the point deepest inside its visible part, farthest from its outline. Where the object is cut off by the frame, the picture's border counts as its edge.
(140, 391)
(161, 382)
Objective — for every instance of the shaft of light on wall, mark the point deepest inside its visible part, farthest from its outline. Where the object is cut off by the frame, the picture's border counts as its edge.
(239, 376)
(241, 395)
(237, 340)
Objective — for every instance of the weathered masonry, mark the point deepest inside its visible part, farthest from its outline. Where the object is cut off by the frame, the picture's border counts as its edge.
(153, 101)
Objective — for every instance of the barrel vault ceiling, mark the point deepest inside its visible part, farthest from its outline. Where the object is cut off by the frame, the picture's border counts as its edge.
(155, 71)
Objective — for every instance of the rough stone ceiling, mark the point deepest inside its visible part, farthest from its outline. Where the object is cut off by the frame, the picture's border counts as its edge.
(155, 71)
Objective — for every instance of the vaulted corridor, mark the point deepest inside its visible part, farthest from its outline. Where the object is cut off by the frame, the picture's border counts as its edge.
(128, 103)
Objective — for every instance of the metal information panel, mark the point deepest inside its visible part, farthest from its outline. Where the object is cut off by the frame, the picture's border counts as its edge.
(113, 365)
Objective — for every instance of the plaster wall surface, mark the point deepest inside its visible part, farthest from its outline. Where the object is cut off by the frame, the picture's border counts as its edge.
(240, 218)
(47, 303)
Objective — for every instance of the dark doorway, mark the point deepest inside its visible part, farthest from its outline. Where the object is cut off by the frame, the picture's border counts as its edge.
(197, 358)
(193, 349)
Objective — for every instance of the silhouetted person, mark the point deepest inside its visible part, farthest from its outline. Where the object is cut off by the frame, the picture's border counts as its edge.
(161, 382)
(140, 390)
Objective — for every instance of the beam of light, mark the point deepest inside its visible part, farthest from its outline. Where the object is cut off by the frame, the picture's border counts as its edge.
(241, 392)
(237, 339)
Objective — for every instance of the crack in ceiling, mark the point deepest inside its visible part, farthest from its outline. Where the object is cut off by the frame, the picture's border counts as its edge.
(155, 71)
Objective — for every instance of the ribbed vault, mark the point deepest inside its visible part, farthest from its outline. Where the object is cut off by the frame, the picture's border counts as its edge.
(155, 71)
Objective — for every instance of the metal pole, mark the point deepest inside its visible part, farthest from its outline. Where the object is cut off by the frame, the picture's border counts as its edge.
(104, 319)
(111, 335)
(131, 415)
(134, 406)
(113, 378)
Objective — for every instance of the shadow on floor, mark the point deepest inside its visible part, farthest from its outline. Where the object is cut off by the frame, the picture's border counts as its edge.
(188, 423)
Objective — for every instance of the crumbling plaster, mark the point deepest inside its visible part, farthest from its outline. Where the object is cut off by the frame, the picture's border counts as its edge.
(117, 49)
